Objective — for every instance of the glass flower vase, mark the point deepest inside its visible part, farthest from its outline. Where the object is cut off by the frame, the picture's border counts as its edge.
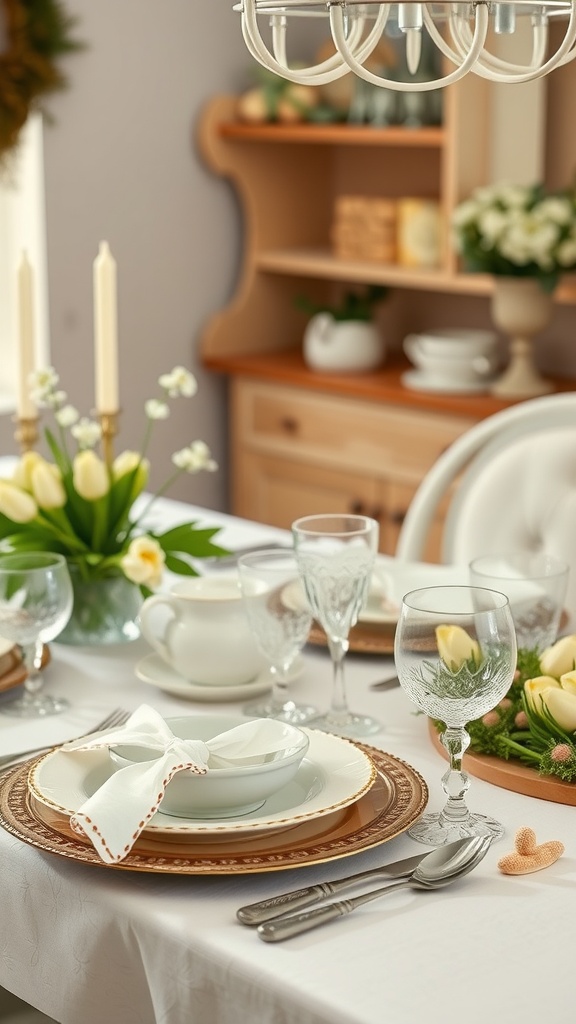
(105, 611)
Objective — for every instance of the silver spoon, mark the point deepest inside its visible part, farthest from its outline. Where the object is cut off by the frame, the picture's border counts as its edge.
(439, 868)
(289, 902)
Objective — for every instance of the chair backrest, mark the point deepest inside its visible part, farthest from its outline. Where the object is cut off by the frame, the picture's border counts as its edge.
(516, 488)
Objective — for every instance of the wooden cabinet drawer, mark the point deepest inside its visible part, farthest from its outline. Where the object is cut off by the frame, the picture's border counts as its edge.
(279, 490)
(342, 433)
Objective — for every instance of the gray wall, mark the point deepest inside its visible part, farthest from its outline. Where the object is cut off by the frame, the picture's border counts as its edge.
(121, 165)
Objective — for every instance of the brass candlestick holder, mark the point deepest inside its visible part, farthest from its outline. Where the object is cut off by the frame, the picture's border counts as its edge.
(26, 433)
(109, 425)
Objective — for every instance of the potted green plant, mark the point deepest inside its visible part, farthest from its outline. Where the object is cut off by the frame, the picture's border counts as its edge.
(343, 337)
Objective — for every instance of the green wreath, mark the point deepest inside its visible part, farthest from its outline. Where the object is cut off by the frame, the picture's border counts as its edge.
(36, 33)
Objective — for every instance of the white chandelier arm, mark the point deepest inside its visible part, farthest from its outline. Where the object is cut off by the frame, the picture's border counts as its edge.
(331, 69)
(480, 32)
(488, 65)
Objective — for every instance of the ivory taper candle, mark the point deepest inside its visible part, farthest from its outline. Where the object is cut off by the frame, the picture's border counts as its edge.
(26, 410)
(105, 331)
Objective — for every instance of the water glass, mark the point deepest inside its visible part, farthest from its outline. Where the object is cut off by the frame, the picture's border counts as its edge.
(280, 618)
(35, 604)
(535, 585)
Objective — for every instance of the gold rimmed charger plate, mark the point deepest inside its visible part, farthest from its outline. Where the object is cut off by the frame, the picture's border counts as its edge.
(394, 802)
(365, 637)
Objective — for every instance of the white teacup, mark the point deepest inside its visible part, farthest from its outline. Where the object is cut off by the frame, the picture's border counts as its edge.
(459, 357)
(200, 628)
(456, 342)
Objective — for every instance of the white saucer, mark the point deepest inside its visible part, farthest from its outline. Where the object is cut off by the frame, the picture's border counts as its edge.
(154, 671)
(416, 380)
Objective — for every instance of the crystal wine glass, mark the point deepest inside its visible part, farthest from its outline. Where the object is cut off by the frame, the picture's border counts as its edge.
(35, 605)
(336, 554)
(280, 619)
(455, 653)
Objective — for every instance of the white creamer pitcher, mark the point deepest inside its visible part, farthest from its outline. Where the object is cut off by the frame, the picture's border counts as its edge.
(200, 628)
(342, 345)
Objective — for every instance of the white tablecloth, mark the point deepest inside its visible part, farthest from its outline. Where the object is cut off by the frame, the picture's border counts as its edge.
(92, 944)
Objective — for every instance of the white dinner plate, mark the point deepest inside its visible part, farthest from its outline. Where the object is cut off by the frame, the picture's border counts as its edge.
(394, 578)
(390, 581)
(334, 774)
(153, 670)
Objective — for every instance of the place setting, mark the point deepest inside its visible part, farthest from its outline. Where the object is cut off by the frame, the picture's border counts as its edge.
(323, 798)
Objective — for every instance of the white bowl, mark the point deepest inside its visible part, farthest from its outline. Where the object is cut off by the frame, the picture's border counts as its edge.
(222, 792)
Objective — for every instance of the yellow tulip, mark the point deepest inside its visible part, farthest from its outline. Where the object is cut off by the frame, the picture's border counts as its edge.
(562, 706)
(560, 658)
(455, 646)
(47, 488)
(127, 462)
(90, 475)
(22, 475)
(16, 504)
(538, 687)
(144, 562)
(568, 682)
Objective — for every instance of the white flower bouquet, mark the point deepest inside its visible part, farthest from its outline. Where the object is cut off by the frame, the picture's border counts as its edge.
(81, 507)
(518, 231)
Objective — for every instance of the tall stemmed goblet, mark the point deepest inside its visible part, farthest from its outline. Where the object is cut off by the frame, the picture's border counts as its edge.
(280, 619)
(35, 605)
(455, 653)
(336, 554)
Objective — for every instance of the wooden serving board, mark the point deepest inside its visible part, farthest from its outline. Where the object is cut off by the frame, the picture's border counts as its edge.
(512, 775)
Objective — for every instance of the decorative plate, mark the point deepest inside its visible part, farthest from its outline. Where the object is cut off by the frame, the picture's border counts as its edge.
(364, 638)
(12, 671)
(393, 803)
(334, 773)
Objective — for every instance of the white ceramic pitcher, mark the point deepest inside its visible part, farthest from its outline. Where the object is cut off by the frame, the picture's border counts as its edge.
(200, 628)
(342, 345)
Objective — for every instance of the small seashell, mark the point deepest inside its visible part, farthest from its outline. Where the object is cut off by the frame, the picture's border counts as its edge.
(529, 855)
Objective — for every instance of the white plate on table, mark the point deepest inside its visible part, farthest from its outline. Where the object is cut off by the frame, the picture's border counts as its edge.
(391, 580)
(334, 774)
(153, 670)
(394, 578)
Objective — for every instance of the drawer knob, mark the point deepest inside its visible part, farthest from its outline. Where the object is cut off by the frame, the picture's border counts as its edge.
(289, 424)
(398, 517)
(357, 508)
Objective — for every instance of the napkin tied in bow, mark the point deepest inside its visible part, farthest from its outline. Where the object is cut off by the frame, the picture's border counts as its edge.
(116, 814)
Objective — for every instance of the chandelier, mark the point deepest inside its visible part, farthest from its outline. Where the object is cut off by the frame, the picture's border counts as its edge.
(463, 32)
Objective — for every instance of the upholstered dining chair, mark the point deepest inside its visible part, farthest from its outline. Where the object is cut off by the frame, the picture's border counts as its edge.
(512, 479)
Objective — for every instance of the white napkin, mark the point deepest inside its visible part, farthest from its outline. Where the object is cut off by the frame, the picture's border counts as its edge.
(116, 814)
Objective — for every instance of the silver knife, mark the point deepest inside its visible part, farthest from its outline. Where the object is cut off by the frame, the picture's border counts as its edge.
(277, 906)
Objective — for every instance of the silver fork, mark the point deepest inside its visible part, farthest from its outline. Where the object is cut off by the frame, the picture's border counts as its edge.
(116, 717)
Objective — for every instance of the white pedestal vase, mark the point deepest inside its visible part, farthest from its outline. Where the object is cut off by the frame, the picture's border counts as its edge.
(521, 308)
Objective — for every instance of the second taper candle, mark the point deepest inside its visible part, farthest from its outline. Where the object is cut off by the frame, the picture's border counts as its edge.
(105, 331)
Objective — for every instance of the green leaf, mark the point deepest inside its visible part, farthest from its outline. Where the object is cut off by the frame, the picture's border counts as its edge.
(194, 542)
(179, 566)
